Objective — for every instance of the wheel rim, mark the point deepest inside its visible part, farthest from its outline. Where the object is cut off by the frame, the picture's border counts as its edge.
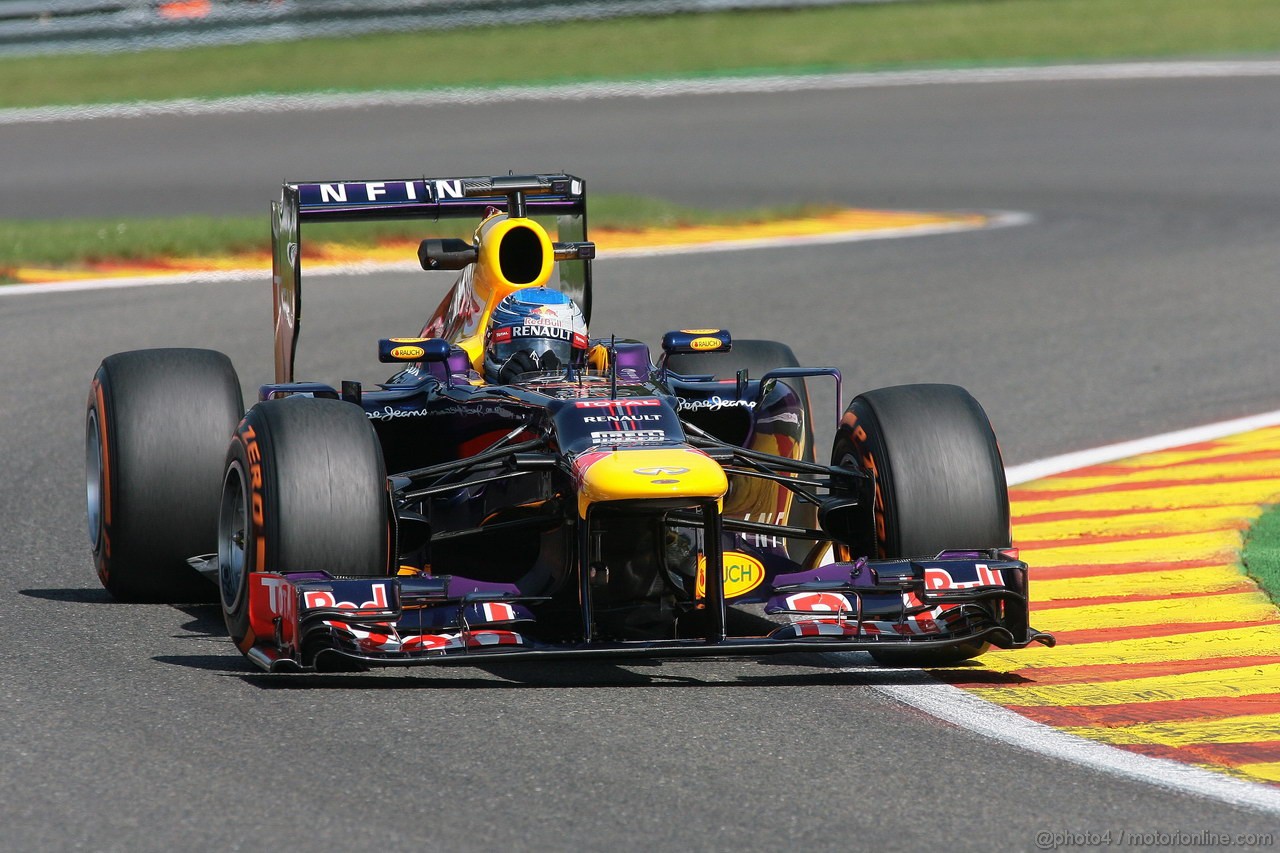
(93, 468)
(233, 532)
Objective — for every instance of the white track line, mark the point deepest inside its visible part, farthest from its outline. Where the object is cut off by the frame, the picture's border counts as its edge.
(647, 89)
(140, 281)
(995, 219)
(977, 715)
(1028, 471)
(985, 718)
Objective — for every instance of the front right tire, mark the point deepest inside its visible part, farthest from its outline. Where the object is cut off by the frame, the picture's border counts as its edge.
(303, 490)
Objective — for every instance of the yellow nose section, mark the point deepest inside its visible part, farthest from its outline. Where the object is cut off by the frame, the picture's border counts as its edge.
(639, 474)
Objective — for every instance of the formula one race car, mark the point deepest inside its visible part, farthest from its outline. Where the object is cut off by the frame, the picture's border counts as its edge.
(521, 489)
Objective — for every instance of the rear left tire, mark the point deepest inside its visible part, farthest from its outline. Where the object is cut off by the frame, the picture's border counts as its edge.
(758, 357)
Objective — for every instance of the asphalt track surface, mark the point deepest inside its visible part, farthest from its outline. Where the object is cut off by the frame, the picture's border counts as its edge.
(1141, 299)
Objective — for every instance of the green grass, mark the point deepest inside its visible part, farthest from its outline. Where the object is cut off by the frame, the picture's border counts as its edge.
(927, 33)
(1261, 555)
(77, 242)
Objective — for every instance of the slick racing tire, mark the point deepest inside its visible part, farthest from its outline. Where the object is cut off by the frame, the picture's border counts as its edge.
(156, 434)
(939, 481)
(758, 357)
(303, 491)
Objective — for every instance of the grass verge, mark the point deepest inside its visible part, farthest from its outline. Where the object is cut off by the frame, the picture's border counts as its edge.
(76, 243)
(923, 33)
(1261, 555)
(862, 36)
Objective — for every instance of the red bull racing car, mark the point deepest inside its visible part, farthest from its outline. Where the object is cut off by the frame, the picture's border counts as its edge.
(522, 488)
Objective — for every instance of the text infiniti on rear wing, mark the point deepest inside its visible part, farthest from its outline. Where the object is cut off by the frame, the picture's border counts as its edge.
(562, 197)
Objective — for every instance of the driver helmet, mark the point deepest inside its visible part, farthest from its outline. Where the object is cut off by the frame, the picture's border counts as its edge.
(536, 328)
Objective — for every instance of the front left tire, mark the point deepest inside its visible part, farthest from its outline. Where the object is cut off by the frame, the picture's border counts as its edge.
(939, 483)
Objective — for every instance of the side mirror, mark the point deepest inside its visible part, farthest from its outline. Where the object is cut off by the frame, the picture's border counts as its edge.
(391, 350)
(697, 340)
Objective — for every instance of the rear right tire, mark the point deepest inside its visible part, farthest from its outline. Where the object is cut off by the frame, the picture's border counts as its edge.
(156, 433)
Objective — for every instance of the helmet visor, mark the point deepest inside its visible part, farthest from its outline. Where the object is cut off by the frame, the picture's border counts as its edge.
(505, 341)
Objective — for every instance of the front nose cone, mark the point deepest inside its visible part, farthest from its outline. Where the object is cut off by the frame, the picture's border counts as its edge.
(654, 473)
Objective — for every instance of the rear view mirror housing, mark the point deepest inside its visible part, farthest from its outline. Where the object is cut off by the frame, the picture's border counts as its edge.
(396, 350)
(697, 340)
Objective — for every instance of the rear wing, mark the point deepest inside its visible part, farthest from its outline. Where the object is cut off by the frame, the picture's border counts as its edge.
(562, 197)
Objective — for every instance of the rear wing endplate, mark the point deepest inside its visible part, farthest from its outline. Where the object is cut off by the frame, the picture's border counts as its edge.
(562, 197)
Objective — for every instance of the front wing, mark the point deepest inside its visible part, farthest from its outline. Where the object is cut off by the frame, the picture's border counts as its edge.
(304, 621)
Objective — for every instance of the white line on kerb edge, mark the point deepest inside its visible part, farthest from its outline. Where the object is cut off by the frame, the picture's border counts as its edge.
(984, 718)
(780, 83)
(995, 219)
(989, 720)
(1026, 472)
